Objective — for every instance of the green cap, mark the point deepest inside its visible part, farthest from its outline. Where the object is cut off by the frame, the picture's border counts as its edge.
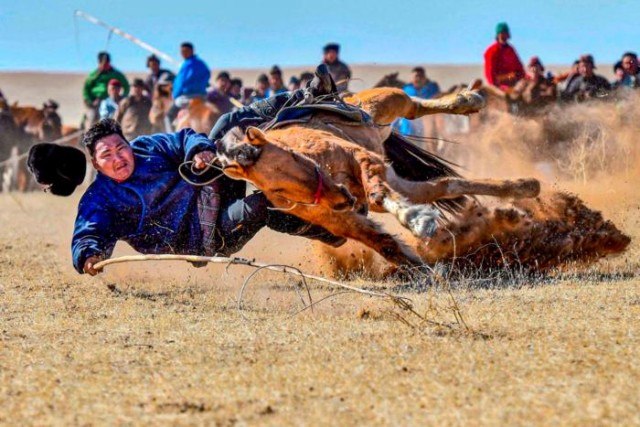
(502, 27)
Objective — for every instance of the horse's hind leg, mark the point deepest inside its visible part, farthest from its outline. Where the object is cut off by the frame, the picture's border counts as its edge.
(388, 104)
(451, 188)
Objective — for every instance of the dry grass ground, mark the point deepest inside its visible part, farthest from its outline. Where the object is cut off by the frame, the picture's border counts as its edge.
(164, 344)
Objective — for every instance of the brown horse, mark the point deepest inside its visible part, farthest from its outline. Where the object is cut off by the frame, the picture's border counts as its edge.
(331, 175)
(199, 114)
(43, 123)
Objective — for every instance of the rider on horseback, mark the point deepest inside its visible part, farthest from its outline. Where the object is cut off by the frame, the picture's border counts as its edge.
(191, 82)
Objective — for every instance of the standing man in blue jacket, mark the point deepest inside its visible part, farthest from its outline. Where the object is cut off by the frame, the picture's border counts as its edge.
(191, 82)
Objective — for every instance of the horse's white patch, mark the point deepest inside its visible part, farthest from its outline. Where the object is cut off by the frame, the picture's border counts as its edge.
(421, 220)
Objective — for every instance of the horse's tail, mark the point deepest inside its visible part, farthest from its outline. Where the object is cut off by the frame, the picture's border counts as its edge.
(413, 163)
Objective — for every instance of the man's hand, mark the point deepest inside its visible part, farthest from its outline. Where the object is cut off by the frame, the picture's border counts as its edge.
(202, 159)
(89, 263)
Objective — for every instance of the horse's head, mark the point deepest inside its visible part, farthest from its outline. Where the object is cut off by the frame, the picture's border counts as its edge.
(287, 178)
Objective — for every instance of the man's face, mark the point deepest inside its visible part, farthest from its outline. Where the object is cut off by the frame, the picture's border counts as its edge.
(223, 84)
(262, 86)
(630, 65)
(503, 37)
(113, 91)
(330, 56)
(113, 157)
(154, 66)
(585, 69)
(275, 80)
(235, 90)
(535, 70)
(186, 52)
(418, 79)
(137, 91)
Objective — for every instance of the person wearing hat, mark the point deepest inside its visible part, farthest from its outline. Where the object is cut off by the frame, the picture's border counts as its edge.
(502, 66)
(276, 84)
(109, 105)
(587, 85)
(133, 112)
(535, 92)
(96, 87)
(156, 74)
(140, 197)
(340, 71)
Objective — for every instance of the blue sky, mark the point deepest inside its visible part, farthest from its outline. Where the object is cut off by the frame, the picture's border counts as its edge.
(43, 35)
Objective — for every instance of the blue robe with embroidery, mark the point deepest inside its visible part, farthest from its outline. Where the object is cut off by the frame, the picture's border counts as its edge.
(154, 210)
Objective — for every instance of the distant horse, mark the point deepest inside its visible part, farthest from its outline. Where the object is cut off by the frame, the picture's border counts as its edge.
(331, 173)
(14, 141)
(43, 123)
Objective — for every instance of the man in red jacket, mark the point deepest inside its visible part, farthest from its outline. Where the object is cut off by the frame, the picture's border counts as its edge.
(502, 67)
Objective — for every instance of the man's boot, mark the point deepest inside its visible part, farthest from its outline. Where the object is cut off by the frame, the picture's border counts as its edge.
(322, 83)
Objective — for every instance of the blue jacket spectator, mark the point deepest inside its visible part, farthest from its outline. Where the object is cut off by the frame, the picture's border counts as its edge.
(192, 79)
(419, 87)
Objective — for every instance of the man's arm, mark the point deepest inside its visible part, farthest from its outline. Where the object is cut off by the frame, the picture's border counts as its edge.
(86, 89)
(179, 147)
(489, 57)
(93, 234)
(122, 107)
(179, 81)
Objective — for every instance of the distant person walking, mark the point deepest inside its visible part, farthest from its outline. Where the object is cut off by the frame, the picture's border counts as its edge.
(95, 87)
(191, 82)
(502, 66)
(133, 112)
(338, 69)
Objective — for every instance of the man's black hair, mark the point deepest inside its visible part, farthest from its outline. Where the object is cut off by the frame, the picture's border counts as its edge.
(262, 78)
(187, 45)
(104, 55)
(152, 58)
(419, 70)
(631, 54)
(103, 128)
(275, 70)
(223, 75)
(236, 82)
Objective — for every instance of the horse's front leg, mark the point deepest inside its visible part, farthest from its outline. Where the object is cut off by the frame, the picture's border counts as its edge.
(420, 219)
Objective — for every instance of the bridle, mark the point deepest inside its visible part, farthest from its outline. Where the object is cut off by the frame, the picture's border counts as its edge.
(320, 188)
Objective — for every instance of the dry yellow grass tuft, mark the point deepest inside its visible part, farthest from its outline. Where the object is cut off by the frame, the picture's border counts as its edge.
(164, 344)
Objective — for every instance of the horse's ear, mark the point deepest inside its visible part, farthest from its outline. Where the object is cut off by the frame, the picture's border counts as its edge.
(256, 136)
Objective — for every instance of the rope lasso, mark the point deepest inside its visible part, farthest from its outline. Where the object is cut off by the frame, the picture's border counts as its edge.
(280, 268)
(196, 172)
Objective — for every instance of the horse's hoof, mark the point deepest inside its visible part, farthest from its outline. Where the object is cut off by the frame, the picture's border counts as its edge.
(527, 188)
